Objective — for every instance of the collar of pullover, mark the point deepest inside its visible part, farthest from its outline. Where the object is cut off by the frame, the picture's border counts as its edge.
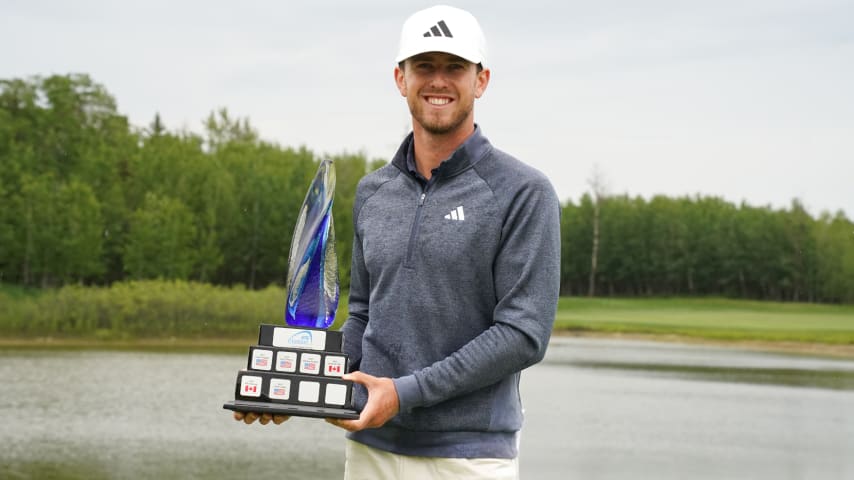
(464, 157)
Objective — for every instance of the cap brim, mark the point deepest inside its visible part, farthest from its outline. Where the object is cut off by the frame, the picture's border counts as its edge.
(438, 45)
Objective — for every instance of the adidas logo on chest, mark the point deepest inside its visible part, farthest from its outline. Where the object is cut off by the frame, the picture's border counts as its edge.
(457, 214)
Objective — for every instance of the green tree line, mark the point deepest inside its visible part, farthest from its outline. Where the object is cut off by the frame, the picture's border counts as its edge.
(88, 198)
(707, 246)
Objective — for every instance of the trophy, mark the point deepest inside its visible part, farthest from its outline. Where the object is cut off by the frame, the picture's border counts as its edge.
(297, 369)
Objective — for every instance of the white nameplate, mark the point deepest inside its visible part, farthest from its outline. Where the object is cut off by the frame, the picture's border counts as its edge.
(286, 361)
(335, 394)
(299, 338)
(309, 363)
(334, 366)
(309, 392)
(250, 386)
(280, 388)
(262, 359)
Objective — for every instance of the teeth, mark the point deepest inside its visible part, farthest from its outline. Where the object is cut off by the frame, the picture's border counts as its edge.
(438, 101)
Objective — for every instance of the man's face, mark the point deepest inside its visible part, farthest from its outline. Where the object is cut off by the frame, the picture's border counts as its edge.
(440, 89)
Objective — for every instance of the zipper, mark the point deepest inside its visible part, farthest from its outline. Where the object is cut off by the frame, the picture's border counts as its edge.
(416, 226)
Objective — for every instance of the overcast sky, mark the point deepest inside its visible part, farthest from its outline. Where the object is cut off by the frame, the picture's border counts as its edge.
(748, 100)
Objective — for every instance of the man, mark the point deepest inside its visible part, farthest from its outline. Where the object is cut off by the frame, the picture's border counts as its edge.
(454, 280)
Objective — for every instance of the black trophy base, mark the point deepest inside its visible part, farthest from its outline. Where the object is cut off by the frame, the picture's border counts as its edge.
(292, 410)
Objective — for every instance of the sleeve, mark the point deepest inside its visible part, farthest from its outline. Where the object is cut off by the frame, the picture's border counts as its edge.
(526, 275)
(357, 320)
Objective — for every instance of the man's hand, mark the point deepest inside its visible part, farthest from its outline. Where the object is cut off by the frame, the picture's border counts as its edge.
(382, 405)
(250, 417)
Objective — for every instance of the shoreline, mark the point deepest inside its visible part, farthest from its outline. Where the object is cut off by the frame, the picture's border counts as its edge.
(239, 345)
(169, 344)
(771, 346)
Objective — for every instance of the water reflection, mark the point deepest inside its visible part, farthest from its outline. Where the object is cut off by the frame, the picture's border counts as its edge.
(628, 410)
(834, 380)
(703, 363)
(594, 409)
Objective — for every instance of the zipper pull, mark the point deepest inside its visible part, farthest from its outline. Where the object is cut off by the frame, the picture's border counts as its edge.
(421, 200)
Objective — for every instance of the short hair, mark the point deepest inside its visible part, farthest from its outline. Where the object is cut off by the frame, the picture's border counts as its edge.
(479, 66)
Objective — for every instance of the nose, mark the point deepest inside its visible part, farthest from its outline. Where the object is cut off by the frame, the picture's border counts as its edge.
(438, 79)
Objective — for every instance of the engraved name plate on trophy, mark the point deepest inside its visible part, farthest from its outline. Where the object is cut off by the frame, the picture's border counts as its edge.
(296, 369)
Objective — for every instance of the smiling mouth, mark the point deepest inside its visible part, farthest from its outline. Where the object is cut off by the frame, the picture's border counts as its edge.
(439, 101)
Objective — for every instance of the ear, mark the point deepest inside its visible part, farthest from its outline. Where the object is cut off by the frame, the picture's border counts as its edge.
(400, 80)
(481, 82)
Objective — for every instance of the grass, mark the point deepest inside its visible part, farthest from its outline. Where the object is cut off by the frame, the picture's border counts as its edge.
(17, 292)
(163, 315)
(710, 318)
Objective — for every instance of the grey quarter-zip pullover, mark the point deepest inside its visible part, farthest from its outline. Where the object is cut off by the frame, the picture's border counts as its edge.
(453, 291)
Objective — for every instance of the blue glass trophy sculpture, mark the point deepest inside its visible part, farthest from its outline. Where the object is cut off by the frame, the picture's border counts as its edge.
(313, 266)
(297, 369)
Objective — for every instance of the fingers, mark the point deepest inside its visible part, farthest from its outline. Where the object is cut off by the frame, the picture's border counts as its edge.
(263, 419)
(356, 425)
(349, 425)
(250, 417)
(359, 377)
(382, 404)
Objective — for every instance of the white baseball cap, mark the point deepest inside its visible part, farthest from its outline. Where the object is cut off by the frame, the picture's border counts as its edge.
(443, 29)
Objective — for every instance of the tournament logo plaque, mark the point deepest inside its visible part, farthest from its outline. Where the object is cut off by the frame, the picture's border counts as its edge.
(297, 369)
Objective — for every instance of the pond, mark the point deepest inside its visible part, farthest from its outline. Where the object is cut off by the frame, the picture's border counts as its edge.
(595, 409)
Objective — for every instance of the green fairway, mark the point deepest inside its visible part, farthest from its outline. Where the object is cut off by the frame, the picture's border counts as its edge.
(168, 313)
(718, 319)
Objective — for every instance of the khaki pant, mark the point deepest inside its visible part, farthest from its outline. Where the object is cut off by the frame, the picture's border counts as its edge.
(367, 463)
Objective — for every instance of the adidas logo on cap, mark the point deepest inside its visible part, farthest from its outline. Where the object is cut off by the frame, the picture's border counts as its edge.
(438, 30)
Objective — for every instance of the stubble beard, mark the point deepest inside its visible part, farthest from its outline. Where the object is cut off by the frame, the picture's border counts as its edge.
(435, 126)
